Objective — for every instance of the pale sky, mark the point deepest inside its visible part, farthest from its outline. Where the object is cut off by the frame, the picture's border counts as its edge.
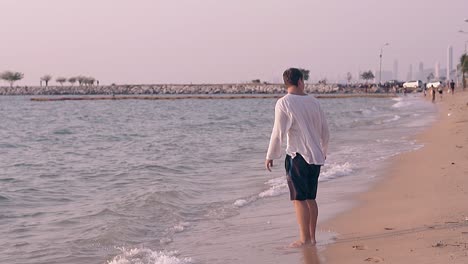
(223, 41)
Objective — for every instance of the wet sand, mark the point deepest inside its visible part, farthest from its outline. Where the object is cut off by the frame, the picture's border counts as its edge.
(418, 212)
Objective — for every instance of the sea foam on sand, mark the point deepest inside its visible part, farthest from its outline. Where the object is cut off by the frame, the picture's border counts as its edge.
(148, 256)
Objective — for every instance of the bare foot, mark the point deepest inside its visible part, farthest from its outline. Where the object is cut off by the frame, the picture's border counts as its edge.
(299, 244)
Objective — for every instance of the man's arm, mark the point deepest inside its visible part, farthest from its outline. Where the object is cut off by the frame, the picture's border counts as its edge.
(280, 129)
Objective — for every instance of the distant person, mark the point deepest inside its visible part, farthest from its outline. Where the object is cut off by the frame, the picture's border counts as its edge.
(425, 88)
(433, 93)
(300, 119)
(452, 86)
(441, 91)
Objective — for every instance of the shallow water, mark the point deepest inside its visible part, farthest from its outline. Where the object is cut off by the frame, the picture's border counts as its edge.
(153, 181)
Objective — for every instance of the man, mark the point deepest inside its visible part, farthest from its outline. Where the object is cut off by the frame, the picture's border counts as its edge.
(452, 86)
(299, 117)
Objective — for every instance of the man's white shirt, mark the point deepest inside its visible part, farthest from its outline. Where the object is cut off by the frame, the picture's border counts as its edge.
(299, 119)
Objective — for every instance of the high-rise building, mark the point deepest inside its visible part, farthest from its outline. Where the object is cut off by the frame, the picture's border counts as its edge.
(437, 70)
(395, 69)
(421, 71)
(449, 62)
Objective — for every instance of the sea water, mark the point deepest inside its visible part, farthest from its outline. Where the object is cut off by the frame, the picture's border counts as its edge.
(181, 181)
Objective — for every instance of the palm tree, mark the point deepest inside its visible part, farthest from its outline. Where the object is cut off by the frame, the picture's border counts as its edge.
(72, 80)
(367, 75)
(46, 78)
(11, 77)
(463, 68)
(81, 80)
(90, 81)
(61, 80)
(305, 73)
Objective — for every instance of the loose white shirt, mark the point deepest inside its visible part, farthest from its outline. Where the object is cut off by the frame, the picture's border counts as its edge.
(301, 120)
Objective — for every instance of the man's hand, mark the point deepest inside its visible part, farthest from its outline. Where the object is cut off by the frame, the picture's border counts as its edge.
(268, 164)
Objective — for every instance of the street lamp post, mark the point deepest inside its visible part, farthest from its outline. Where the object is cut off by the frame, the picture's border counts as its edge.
(464, 32)
(380, 70)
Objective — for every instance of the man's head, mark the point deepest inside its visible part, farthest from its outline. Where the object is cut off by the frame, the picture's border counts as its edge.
(293, 77)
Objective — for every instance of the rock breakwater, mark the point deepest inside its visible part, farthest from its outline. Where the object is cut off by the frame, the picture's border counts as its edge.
(161, 89)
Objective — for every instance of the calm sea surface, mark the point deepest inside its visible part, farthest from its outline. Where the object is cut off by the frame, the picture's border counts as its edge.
(123, 181)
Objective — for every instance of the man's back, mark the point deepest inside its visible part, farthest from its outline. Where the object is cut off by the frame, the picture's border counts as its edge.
(301, 118)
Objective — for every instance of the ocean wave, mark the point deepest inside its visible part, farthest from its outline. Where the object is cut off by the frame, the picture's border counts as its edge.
(394, 118)
(245, 201)
(180, 227)
(278, 186)
(402, 103)
(240, 203)
(336, 170)
(64, 131)
(8, 145)
(365, 112)
(148, 256)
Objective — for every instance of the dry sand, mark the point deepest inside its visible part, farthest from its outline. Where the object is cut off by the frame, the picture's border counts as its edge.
(418, 212)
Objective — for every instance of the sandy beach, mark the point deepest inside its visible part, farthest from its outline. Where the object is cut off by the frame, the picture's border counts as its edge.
(418, 212)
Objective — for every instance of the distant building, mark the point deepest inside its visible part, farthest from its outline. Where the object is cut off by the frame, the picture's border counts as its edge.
(421, 71)
(449, 63)
(437, 71)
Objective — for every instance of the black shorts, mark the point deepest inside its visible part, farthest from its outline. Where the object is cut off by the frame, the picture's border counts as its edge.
(302, 178)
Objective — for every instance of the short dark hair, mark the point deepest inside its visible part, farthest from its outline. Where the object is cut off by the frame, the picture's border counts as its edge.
(292, 76)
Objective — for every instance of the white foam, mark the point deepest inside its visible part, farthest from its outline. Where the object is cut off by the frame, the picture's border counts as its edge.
(395, 118)
(180, 227)
(278, 187)
(337, 170)
(240, 202)
(400, 104)
(366, 112)
(165, 240)
(148, 256)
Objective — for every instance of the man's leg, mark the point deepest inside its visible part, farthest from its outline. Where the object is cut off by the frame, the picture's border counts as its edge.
(313, 210)
(303, 219)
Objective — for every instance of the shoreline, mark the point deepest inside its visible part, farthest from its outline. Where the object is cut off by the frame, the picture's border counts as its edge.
(416, 211)
(221, 96)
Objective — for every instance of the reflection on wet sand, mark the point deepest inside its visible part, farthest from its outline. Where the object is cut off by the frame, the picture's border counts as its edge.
(310, 255)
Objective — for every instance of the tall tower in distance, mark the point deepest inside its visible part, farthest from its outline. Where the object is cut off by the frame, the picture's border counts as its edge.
(449, 62)
(395, 69)
(421, 71)
(437, 70)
